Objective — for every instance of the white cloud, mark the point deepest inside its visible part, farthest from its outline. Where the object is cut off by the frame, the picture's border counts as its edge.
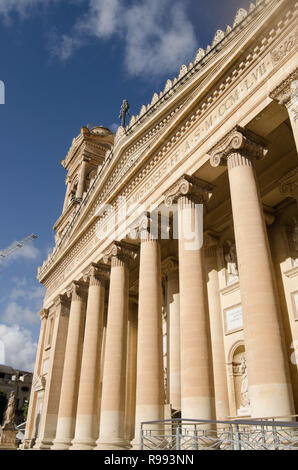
(157, 36)
(28, 252)
(14, 313)
(19, 347)
(22, 304)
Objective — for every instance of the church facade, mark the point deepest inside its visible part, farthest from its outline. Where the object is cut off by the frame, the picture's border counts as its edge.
(172, 289)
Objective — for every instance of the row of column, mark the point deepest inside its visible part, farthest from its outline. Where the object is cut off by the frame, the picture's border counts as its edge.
(201, 337)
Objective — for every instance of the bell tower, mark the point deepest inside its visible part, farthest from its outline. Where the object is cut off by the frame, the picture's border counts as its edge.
(82, 163)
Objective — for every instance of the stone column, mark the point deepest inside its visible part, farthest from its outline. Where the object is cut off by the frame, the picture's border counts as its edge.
(131, 368)
(269, 385)
(30, 425)
(80, 189)
(112, 426)
(72, 369)
(150, 381)
(287, 94)
(197, 401)
(87, 420)
(216, 330)
(170, 271)
(48, 422)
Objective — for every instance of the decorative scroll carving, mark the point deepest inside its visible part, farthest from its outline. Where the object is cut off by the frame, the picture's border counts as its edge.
(120, 252)
(240, 141)
(96, 273)
(44, 313)
(284, 92)
(190, 186)
(288, 185)
(39, 383)
(77, 291)
(287, 93)
(286, 46)
(149, 226)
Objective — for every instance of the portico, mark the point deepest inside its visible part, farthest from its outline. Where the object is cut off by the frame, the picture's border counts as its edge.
(176, 264)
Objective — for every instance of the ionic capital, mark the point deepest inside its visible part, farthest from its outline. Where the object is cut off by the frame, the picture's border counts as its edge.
(189, 186)
(119, 254)
(288, 185)
(149, 227)
(77, 291)
(240, 144)
(96, 274)
(287, 92)
(44, 313)
(62, 302)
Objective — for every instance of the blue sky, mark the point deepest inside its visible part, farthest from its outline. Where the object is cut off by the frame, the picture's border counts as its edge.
(68, 63)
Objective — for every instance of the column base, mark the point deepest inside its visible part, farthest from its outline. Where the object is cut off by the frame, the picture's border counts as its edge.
(83, 444)
(43, 444)
(63, 444)
(113, 444)
(135, 445)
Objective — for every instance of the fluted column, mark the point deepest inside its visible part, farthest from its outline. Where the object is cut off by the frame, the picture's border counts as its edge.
(87, 420)
(171, 274)
(269, 385)
(196, 380)
(31, 417)
(286, 94)
(216, 330)
(71, 370)
(49, 416)
(112, 418)
(150, 383)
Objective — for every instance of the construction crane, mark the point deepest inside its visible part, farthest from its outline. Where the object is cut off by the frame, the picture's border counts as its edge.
(16, 245)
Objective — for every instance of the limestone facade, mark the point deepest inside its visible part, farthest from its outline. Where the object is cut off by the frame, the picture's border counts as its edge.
(142, 322)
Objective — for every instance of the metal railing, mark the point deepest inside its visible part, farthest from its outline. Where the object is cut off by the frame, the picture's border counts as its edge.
(186, 434)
